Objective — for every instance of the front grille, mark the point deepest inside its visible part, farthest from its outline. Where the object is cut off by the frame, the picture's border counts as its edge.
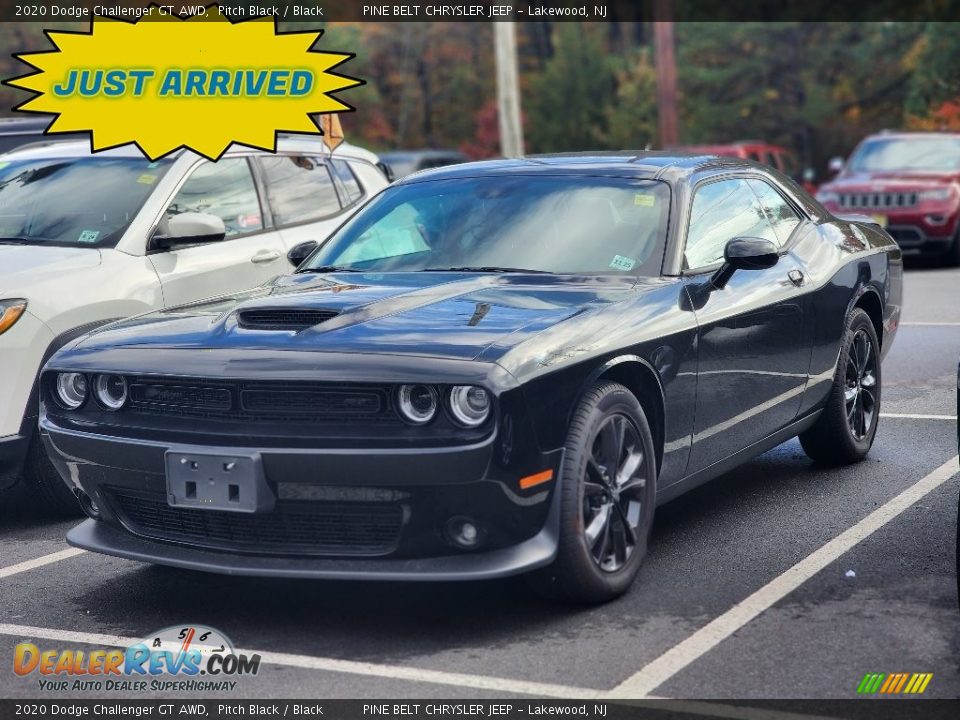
(294, 319)
(267, 401)
(878, 200)
(292, 528)
(311, 401)
(907, 235)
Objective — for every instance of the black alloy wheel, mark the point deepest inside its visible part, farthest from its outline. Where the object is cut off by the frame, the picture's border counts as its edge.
(607, 487)
(613, 493)
(860, 385)
(847, 425)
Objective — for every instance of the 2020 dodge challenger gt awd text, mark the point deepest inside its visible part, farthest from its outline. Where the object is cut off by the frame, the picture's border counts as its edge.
(494, 368)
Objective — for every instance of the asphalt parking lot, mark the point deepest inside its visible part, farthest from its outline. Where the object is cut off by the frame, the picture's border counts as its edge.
(779, 580)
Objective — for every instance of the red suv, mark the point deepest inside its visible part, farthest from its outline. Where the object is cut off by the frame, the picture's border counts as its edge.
(756, 150)
(909, 183)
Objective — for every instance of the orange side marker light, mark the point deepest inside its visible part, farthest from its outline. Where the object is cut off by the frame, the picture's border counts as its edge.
(537, 479)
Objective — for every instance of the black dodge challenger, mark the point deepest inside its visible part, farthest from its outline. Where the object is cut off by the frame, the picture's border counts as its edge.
(495, 368)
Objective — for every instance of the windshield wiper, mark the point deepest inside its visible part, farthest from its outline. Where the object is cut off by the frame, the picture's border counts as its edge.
(328, 269)
(14, 241)
(487, 268)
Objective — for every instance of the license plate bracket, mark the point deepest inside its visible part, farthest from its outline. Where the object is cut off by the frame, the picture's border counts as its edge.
(217, 480)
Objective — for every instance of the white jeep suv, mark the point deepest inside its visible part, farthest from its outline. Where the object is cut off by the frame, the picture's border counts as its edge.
(89, 238)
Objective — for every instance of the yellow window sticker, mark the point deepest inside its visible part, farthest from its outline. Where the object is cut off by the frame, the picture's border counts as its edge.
(643, 200)
(147, 179)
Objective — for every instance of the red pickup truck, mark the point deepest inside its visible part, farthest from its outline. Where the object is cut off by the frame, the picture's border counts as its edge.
(910, 183)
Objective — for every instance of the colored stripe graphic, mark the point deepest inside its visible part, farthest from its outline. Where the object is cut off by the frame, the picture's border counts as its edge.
(894, 683)
(870, 683)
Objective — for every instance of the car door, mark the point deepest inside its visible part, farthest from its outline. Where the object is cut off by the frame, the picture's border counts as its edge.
(754, 351)
(252, 251)
(304, 202)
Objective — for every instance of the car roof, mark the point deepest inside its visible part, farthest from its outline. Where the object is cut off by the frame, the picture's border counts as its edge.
(24, 125)
(51, 147)
(424, 153)
(910, 134)
(668, 166)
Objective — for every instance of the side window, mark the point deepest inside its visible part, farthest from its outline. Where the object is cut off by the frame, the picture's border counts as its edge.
(722, 211)
(348, 180)
(782, 216)
(225, 189)
(299, 188)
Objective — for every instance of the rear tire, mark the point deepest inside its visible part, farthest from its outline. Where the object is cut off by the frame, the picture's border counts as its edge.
(605, 515)
(845, 430)
(45, 483)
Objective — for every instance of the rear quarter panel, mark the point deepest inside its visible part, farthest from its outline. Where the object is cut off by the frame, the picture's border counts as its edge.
(844, 262)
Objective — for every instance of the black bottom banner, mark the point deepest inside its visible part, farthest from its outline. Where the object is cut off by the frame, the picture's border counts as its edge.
(511, 709)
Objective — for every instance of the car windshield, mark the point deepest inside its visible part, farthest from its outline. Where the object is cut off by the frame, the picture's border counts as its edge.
(917, 154)
(555, 224)
(82, 201)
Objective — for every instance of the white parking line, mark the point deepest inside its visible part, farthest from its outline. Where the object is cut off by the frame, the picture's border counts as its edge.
(929, 324)
(39, 562)
(658, 671)
(911, 416)
(393, 672)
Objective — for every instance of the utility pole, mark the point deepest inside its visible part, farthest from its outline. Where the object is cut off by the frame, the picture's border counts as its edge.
(666, 65)
(508, 89)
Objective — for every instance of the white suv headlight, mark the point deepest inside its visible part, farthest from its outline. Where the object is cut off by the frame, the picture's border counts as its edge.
(10, 312)
(938, 195)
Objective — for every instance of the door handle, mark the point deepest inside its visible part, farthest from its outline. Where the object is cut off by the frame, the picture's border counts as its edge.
(265, 256)
(796, 277)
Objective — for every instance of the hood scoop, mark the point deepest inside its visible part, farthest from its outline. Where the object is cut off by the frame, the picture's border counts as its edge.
(288, 319)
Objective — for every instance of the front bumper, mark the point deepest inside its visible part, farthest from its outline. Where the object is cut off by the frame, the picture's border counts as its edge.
(379, 514)
(536, 552)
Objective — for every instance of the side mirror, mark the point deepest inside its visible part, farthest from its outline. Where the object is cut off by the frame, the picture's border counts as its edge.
(299, 252)
(835, 165)
(743, 253)
(189, 228)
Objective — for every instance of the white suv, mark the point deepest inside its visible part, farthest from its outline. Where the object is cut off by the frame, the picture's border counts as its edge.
(89, 238)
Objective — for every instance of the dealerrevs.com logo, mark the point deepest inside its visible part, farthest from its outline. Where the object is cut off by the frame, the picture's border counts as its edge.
(191, 658)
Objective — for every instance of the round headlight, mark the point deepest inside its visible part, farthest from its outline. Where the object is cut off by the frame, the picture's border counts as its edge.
(71, 389)
(469, 405)
(418, 403)
(111, 391)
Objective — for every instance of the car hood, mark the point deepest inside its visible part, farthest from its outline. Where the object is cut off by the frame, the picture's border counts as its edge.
(23, 268)
(881, 181)
(450, 315)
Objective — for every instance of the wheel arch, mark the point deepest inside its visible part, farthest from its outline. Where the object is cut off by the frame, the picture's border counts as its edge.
(640, 378)
(869, 301)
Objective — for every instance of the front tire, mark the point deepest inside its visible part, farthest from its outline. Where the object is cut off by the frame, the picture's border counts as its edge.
(45, 483)
(845, 430)
(608, 488)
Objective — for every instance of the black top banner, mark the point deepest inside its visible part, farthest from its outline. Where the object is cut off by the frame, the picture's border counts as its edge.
(324, 11)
